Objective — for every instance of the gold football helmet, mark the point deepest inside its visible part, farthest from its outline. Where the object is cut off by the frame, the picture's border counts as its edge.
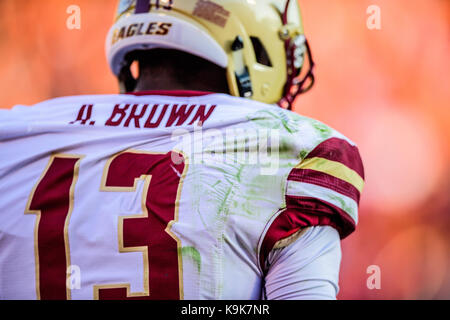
(261, 43)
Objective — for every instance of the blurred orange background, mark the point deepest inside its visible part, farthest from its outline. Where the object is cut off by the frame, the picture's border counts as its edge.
(387, 89)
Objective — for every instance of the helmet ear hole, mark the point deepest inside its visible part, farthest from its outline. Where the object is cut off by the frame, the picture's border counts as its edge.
(262, 57)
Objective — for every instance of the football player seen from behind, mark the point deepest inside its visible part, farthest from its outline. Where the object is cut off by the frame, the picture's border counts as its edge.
(195, 182)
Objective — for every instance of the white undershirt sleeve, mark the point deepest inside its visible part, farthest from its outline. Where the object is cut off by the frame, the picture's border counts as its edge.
(307, 269)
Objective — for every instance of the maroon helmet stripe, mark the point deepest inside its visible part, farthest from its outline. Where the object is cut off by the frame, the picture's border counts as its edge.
(142, 6)
(339, 150)
(325, 180)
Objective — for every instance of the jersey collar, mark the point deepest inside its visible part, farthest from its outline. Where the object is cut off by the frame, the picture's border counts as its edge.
(173, 93)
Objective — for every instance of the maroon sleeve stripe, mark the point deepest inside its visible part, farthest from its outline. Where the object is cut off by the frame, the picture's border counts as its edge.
(339, 150)
(302, 212)
(325, 180)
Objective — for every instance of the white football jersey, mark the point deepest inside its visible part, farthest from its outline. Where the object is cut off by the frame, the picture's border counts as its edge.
(162, 195)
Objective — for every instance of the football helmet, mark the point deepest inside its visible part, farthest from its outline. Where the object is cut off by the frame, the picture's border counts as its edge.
(260, 43)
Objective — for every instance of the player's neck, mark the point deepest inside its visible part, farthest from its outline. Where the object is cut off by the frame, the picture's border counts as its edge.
(207, 79)
(165, 84)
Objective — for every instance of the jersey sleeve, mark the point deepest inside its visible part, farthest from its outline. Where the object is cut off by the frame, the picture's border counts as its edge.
(307, 269)
(322, 190)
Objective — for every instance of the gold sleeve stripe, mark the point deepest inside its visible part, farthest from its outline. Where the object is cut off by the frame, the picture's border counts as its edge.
(335, 169)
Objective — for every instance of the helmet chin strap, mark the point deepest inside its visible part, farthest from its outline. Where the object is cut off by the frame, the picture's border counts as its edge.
(241, 70)
(295, 86)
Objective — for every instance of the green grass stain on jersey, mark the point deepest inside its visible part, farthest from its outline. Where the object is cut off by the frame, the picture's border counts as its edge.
(259, 196)
(321, 163)
(290, 121)
(242, 192)
(215, 184)
(323, 130)
(223, 208)
(286, 148)
(239, 173)
(193, 254)
(343, 205)
(197, 184)
(303, 154)
(289, 156)
(276, 119)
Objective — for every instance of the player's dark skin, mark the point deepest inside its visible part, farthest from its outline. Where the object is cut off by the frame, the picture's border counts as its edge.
(162, 69)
